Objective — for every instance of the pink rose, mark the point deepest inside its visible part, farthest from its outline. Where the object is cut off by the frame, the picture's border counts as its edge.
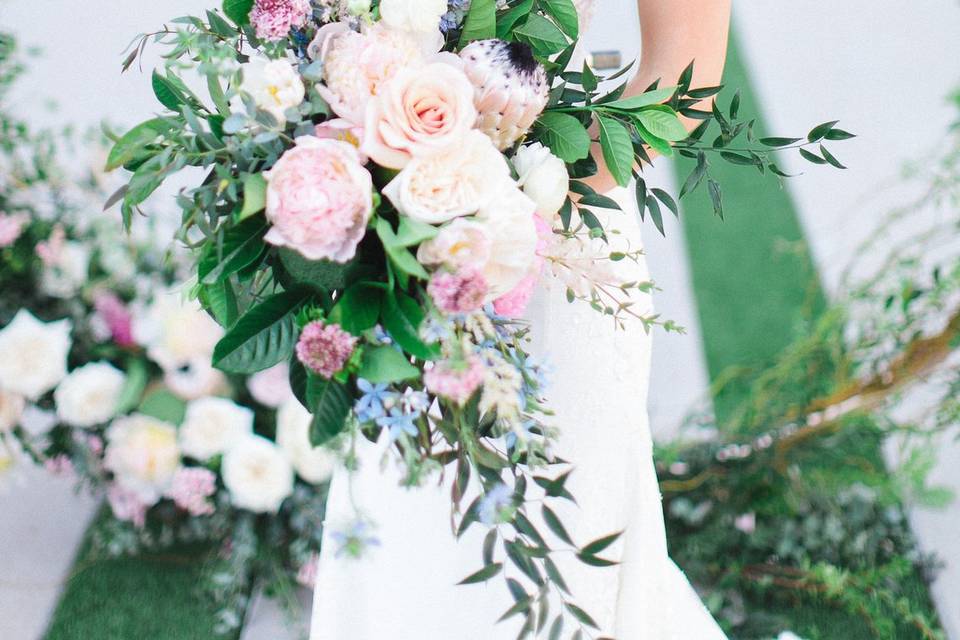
(417, 112)
(319, 199)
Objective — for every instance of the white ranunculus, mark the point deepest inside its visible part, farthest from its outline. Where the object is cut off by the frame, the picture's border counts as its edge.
(89, 395)
(454, 182)
(257, 474)
(70, 271)
(33, 355)
(271, 388)
(143, 455)
(314, 464)
(213, 425)
(461, 244)
(11, 410)
(274, 85)
(420, 18)
(508, 220)
(543, 177)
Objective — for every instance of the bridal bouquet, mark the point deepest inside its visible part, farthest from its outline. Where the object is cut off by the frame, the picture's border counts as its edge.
(384, 185)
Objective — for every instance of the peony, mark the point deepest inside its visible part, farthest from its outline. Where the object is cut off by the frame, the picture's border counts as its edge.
(212, 425)
(461, 244)
(420, 18)
(325, 348)
(273, 19)
(355, 65)
(319, 199)
(313, 464)
(143, 455)
(257, 475)
(33, 355)
(89, 395)
(271, 388)
(274, 85)
(455, 181)
(509, 223)
(543, 177)
(418, 112)
(11, 410)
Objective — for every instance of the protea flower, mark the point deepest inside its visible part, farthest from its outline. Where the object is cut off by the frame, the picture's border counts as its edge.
(511, 88)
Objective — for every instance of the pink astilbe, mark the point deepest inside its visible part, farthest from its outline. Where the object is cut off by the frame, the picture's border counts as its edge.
(116, 317)
(273, 19)
(325, 348)
(307, 575)
(460, 292)
(455, 381)
(127, 505)
(11, 226)
(191, 489)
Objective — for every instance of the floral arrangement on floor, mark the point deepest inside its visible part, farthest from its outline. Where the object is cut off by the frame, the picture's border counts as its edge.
(385, 186)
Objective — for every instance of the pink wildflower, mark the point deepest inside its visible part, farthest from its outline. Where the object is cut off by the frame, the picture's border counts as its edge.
(59, 465)
(115, 316)
(325, 348)
(273, 19)
(190, 489)
(11, 226)
(51, 249)
(127, 505)
(455, 381)
(460, 292)
(307, 575)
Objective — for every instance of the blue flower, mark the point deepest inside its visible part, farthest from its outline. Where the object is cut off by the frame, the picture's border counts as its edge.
(414, 403)
(497, 505)
(372, 404)
(398, 423)
(354, 540)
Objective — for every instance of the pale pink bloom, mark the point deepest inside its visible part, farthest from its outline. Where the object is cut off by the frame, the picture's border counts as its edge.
(115, 316)
(59, 465)
(11, 226)
(191, 489)
(273, 19)
(747, 523)
(307, 575)
(416, 113)
(460, 292)
(271, 388)
(319, 199)
(514, 303)
(355, 65)
(455, 381)
(51, 249)
(95, 445)
(325, 348)
(127, 505)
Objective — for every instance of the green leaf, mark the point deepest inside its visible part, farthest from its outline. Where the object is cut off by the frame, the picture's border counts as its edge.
(542, 35)
(384, 365)
(655, 214)
(264, 336)
(812, 157)
(412, 232)
(511, 17)
(663, 124)
(238, 11)
(820, 131)
(254, 195)
(594, 561)
(696, 176)
(318, 274)
(358, 308)
(329, 402)
(581, 615)
(555, 525)
(667, 200)
(617, 149)
(242, 246)
(565, 135)
(716, 197)
(221, 299)
(484, 574)
(131, 145)
(133, 387)
(647, 99)
(480, 23)
(163, 405)
(166, 92)
(778, 142)
(838, 134)
(565, 14)
(598, 200)
(600, 544)
(399, 256)
(556, 629)
(402, 317)
(829, 157)
(659, 145)
(146, 179)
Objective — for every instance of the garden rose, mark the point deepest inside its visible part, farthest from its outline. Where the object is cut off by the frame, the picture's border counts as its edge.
(355, 65)
(257, 475)
(319, 199)
(89, 395)
(418, 112)
(509, 223)
(33, 355)
(420, 18)
(313, 464)
(143, 455)
(455, 181)
(213, 425)
(274, 85)
(543, 177)
(461, 244)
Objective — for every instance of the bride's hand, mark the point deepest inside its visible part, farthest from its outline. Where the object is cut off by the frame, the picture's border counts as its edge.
(674, 32)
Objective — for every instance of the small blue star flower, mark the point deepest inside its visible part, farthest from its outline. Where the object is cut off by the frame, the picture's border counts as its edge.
(372, 404)
(398, 423)
(497, 505)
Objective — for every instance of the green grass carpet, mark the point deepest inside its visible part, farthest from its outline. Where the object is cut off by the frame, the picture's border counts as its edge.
(755, 283)
(142, 598)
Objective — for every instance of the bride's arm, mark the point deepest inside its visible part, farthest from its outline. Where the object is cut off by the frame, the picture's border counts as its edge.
(673, 33)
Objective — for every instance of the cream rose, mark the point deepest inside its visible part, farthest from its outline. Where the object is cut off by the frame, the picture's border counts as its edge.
(257, 475)
(508, 221)
(89, 395)
(461, 244)
(33, 355)
(450, 183)
(418, 112)
(543, 177)
(143, 455)
(313, 464)
(274, 85)
(213, 425)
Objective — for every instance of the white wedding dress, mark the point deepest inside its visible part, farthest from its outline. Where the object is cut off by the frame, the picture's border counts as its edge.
(405, 588)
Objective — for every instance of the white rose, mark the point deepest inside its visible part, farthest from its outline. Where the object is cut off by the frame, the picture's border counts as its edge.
(89, 395)
(69, 273)
(143, 455)
(11, 410)
(461, 244)
(197, 379)
(314, 464)
(274, 85)
(33, 355)
(454, 182)
(257, 475)
(420, 18)
(177, 333)
(36, 421)
(508, 220)
(213, 425)
(543, 177)
(271, 388)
